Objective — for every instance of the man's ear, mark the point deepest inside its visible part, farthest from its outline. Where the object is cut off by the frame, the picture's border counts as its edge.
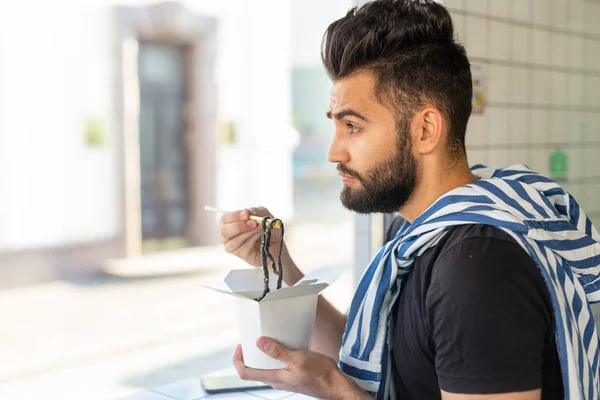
(428, 130)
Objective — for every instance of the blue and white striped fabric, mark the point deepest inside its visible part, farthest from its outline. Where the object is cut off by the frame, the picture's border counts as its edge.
(543, 218)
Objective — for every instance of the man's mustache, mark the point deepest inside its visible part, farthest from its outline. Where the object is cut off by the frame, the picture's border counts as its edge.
(347, 171)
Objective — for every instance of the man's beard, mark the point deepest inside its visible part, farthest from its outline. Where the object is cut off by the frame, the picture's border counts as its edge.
(386, 187)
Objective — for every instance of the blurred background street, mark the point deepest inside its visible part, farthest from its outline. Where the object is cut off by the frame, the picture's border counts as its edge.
(111, 336)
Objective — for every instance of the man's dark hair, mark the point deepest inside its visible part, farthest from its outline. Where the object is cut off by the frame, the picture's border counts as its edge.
(409, 46)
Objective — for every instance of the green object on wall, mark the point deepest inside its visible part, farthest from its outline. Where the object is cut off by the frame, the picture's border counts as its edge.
(94, 132)
(228, 132)
(559, 165)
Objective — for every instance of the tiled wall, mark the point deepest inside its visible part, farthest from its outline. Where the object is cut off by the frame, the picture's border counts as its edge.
(541, 60)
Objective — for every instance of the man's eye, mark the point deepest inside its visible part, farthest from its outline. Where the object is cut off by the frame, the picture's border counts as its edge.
(353, 128)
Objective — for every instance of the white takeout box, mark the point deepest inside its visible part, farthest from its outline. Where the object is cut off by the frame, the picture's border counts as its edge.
(286, 315)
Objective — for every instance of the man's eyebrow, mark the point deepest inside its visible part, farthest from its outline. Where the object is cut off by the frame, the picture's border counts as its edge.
(346, 113)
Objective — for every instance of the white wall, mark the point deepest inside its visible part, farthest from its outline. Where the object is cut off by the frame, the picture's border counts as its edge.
(41, 135)
(542, 59)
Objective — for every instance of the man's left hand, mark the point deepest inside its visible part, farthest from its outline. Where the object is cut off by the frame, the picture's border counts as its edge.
(308, 372)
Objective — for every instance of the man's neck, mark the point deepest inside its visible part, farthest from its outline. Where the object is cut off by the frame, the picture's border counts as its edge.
(433, 185)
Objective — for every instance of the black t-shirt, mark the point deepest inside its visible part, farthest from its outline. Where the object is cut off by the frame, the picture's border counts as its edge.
(474, 317)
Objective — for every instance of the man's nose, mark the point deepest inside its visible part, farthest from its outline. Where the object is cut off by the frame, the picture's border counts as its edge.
(337, 150)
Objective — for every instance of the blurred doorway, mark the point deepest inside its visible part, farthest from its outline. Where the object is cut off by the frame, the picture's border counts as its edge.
(164, 158)
(166, 123)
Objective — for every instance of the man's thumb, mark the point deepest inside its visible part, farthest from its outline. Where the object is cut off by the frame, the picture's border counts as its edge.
(274, 349)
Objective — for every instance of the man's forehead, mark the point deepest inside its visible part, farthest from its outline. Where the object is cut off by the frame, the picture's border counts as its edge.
(356, 90)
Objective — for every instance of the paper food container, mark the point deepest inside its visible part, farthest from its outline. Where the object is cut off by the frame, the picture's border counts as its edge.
(286, 315)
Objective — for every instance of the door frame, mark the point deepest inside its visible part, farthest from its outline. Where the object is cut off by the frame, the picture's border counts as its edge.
(171, 23)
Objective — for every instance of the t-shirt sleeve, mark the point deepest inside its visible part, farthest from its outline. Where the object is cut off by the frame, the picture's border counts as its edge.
(489, 314)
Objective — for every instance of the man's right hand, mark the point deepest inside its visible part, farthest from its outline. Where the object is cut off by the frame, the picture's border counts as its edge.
(241, 236)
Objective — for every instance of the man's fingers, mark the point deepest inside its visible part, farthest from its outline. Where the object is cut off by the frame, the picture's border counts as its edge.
(238, 362)
(260, 212)
(274, 349)
(231, 230)
(251, 374)
(234, 244)
(238, 355)
(244, 214)
(234, 216)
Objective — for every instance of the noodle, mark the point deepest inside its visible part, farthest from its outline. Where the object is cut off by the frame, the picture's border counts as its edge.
(267, 227)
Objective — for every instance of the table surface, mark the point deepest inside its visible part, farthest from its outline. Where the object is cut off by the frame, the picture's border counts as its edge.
(191, 389)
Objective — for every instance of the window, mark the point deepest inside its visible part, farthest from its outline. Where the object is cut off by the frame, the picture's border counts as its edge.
(133, 116)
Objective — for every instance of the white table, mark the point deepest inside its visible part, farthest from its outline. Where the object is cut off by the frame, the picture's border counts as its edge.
(191, 389)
